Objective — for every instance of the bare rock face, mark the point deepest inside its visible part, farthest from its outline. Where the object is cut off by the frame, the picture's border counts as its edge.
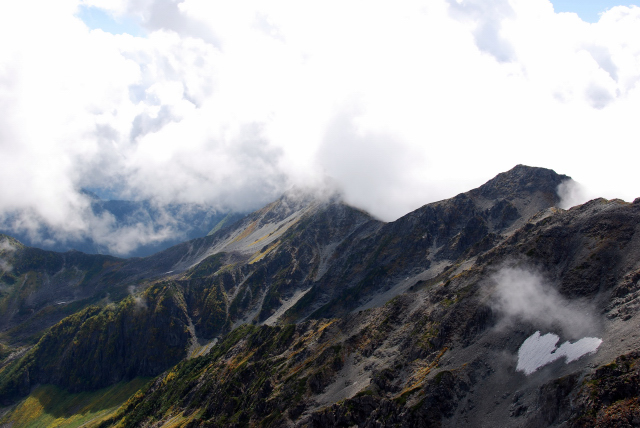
(311, 313)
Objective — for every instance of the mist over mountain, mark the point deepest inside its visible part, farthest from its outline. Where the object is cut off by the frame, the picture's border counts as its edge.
(494, 307)
(227, 106)
(295, 218)
(121, 228)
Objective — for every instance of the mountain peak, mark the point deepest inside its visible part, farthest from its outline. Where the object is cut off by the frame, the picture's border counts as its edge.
(522, 179)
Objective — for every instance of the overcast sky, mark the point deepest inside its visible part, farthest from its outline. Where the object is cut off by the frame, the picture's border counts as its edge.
(230, 103)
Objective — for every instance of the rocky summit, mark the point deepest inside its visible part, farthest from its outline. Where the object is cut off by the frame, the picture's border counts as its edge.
(492, 308)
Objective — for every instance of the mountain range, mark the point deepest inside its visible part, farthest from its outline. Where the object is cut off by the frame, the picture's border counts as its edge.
(134, 228)
(492, 308)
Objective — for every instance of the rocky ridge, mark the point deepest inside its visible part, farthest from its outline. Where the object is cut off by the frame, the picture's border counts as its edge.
(358, 322)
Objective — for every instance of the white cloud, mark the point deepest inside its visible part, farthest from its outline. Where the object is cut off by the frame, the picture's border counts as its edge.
(572, 193)
(230, 103)
(5, 266)
(523, 294)
(6, 248)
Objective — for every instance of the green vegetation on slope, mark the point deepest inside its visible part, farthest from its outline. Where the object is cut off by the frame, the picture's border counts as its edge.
(96, 347)
(51, 406)
(256, 375)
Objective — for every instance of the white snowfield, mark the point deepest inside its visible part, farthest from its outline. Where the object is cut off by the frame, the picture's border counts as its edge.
(538, 351)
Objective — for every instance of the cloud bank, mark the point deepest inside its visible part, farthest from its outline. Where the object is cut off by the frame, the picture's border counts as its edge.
(523, 294)
(228, 105)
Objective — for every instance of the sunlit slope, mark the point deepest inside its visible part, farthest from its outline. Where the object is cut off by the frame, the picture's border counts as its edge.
(50, 406)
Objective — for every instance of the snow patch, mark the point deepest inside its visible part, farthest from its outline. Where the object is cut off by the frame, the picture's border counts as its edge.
(538, 351)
